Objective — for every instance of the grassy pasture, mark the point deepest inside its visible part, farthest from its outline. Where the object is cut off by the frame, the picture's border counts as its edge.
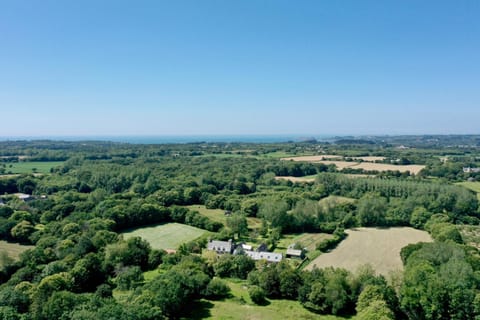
(166, 236)
(218, 215)
(307, 240)
(239, 306)
(31, 167)
(13, 249)
(378, 247)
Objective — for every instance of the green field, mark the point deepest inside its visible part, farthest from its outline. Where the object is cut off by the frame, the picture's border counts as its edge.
(474, 186)
(239, 306)
(13, 249)
(218, 215)
(307, 240)
(31, 167)
(166, 236)
(335, 200)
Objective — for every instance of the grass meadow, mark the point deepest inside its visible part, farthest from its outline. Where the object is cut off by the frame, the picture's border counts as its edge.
(218, 215)
(166, 236)
(239, 306)
(31, 167)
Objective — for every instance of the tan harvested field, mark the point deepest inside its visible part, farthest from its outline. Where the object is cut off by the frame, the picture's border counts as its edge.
(412, 168)
(313, 158)
(331, 157)
(19, 157)
(340, 164)
(370, 158)
(378, 247)
(368, 166)
(296, 179)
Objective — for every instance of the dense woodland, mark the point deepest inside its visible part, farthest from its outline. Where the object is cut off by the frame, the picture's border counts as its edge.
(80, 208)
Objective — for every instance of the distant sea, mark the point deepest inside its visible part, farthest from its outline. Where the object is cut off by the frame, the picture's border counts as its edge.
(178, 139)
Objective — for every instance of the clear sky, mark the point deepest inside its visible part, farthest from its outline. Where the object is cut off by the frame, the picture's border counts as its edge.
(239, 67)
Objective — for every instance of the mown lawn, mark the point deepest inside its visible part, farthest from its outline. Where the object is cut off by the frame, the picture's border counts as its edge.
(31, 167)
(166, 236)
(239, 306)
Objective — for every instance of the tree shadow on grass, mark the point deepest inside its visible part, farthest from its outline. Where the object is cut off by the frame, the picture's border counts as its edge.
(263, 303)
(200, 309)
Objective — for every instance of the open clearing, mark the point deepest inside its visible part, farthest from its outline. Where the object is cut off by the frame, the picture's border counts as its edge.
(313, 158)
(239, 306)
(31, 167)
(13, 249)
(296, 179)
(332, 201)
(378, 247)
(218, 215)
(166, 236)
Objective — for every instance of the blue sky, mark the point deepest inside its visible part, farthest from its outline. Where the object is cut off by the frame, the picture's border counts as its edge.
(239, 67)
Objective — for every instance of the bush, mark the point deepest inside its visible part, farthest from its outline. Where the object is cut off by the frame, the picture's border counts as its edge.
(217, 289)
(257, 294)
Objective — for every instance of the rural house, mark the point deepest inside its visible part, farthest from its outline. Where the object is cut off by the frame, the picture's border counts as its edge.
(221, 247)
(269, 256)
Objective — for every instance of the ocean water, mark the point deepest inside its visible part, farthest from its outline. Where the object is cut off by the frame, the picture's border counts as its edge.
(178, 139)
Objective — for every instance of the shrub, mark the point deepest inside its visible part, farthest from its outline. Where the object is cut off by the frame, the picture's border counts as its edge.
(217, 289)
(257, 294)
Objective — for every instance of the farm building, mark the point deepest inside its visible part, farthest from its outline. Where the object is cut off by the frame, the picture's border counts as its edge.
(471, 170)
(294, 253)
(221, 247)
(269, 256)
(25, 197)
